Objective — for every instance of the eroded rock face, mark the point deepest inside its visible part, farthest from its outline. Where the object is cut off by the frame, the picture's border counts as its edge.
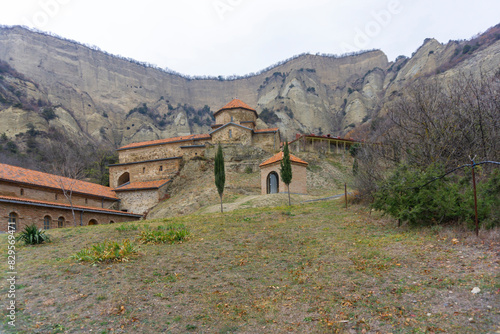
(117, 101)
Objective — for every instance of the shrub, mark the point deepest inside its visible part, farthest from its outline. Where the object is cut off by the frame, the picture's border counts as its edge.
(248, 170)
(445, 200)
(269, 116)
(32, 235)
(171, 233)
(107, 251)
(48, 114)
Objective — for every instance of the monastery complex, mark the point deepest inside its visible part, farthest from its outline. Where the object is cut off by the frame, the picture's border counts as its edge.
(140, 180)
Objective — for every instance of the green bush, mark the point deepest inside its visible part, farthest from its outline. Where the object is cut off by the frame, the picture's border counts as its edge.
(248, 170)
(107, 251)
(32, 235)
(171, 233)
(445, 200)
(49, 113)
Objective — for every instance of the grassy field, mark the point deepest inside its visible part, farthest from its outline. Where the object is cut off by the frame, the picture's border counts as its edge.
(315, 268)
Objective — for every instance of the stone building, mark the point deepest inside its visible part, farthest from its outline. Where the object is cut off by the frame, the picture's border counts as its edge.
(270, 180)
(28, 196)
(144, 170)
(320, 143)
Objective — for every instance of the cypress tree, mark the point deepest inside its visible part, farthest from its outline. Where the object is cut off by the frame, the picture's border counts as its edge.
(220, 175)
(286, 170)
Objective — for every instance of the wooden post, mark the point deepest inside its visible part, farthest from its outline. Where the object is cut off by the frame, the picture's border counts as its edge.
(345, 192)
(475, 197)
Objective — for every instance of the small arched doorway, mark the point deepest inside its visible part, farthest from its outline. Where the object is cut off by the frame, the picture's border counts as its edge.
(273, 183)
(124, 178)
(92, 222)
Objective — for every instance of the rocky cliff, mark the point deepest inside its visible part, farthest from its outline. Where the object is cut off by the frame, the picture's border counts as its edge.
(51, 84)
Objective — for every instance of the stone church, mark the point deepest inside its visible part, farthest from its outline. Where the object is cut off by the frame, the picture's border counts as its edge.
(144, 170)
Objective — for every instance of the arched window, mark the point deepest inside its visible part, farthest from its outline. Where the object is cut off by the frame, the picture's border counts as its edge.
(273, 186)
(92, 222)
(230, 133)
(13, 221)
(46, 222)
(60, 222)
(124, 178)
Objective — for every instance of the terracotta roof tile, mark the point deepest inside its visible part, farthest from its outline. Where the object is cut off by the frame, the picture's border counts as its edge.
(235, 104)
(166, 141)
(142, 185)
(279, 156)
(32, 177)
(90, 208)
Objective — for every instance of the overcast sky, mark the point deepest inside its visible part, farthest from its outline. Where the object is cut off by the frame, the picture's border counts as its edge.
(225, 37)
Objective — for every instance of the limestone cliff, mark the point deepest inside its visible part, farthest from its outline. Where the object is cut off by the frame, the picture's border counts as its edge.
(51, 83)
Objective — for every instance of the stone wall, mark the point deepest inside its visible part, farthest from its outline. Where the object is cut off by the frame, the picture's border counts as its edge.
(140, 201)
(144, 171)
(154, 152)
(299, 178)
(54, 195)
(232, 134)
(189, 152)
(268, 141)
(29, 214)
(239, 115)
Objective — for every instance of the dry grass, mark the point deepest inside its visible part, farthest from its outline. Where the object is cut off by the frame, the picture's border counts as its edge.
(314, 268)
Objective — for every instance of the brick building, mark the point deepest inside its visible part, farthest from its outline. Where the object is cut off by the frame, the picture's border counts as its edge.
(270, 180)
(28, 196)
(145, 169)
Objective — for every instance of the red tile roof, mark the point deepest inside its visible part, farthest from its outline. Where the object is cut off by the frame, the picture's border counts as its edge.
(166, 141)
(142, 185)
(279, 156)
(76, 207)
(236, 104)
(35, 178)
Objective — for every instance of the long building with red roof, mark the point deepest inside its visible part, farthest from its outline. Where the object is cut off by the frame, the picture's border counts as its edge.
(49, 201)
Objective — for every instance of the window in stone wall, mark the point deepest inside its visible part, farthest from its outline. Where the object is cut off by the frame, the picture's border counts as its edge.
(161, 168)
(46, 222)
(144, 169)
(230, 134)
(111, 222)
(231, 118)
(13, 220)
(86, 201)
(60, 222)
(56, 197)
(22, 192)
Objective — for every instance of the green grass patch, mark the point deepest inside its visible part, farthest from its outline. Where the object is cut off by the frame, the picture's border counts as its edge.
(107, 251)
(127, 227)
(171, 233)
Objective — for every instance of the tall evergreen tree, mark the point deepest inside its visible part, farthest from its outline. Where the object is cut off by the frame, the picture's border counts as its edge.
(286, 170)
(220, 174)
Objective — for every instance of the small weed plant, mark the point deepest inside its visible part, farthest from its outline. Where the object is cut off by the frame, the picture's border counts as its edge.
(107, 251)
(32, 235)
(171, 233)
